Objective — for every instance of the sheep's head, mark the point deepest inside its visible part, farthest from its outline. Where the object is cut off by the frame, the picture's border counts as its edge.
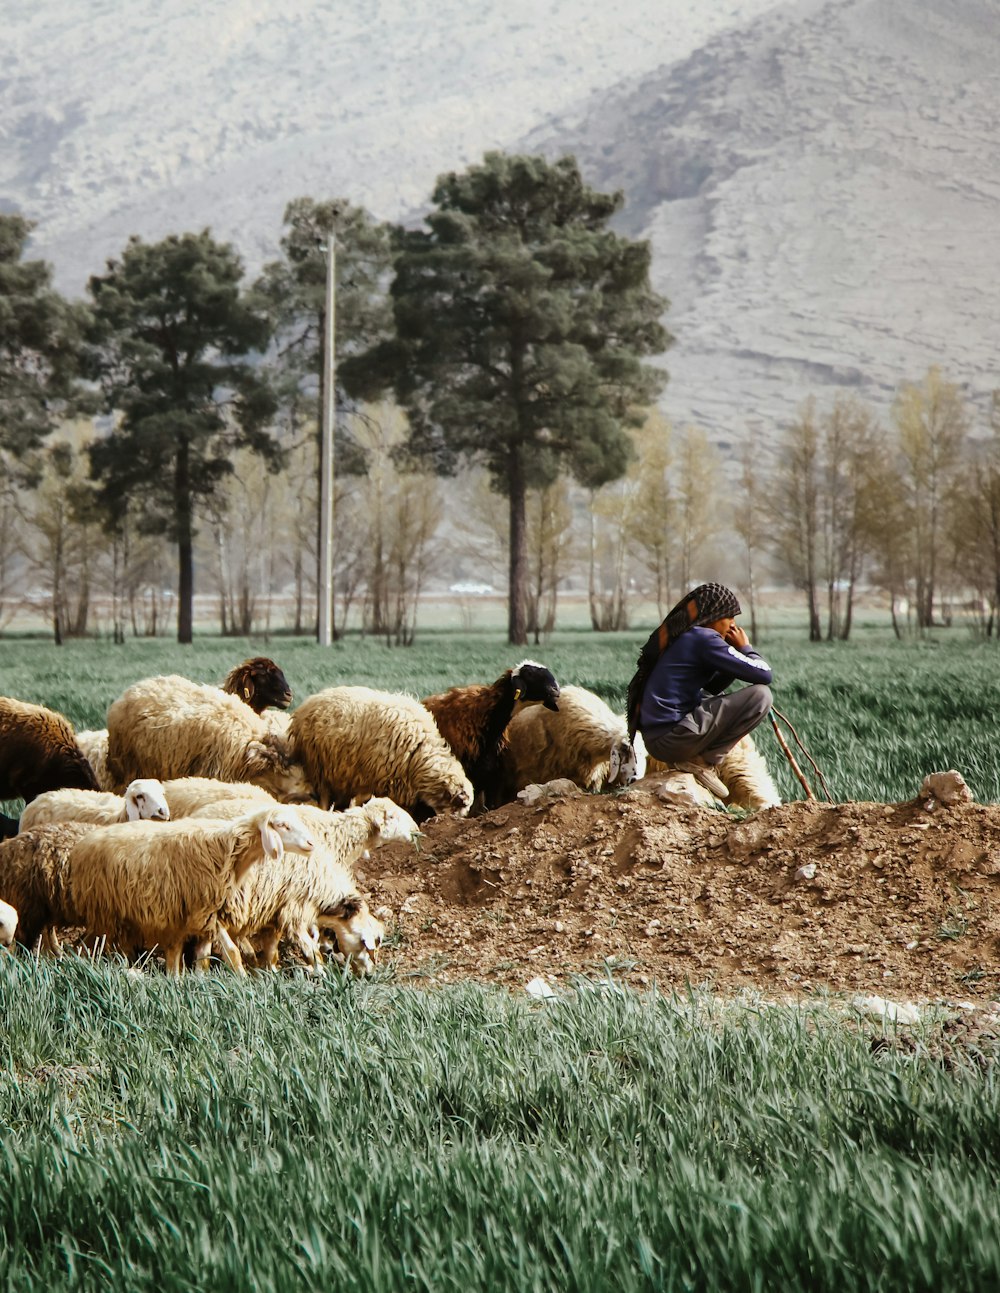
(8, 924)
(144, 799)
(259, 683)
(68, 768)
(534, 684)
(391, 821)
(359, 934)
(269, 763)
(627, 762)
(283, 829)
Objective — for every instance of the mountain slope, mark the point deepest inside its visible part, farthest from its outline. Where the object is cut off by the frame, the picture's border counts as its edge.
(822, 190)
(166, 115)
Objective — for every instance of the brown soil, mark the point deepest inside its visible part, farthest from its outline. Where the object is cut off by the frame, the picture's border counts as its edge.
(904, 902)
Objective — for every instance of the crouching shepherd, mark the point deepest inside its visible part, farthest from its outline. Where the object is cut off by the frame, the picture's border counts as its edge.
(676, 696)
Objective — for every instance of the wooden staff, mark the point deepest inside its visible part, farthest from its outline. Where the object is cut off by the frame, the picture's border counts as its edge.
(791, 759)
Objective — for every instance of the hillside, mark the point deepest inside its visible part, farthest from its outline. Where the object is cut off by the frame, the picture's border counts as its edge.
(821, 191)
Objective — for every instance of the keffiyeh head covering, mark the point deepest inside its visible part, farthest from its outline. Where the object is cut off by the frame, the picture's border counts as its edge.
(702, 605)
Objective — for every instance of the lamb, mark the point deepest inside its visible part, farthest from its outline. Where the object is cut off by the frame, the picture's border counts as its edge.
(258, 683)
(8, 924)
(169, 727)
(185, 796)
(143, 798)
(743, 771)
(33, 876)
(279, 899)
(585, 742)
(353, 741)
(141, 883)
(474, 719)
(38, 752)
(94, 744)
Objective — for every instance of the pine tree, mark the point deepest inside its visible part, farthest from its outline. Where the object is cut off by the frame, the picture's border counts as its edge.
(171, 329)
(522, 322)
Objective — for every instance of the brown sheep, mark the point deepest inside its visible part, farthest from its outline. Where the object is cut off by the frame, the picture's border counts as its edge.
(33, 876)
(259, 683)
(38, 752)
(474, 721)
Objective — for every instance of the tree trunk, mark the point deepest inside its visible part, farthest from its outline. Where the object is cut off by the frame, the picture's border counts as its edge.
(185, 546)
(517, 632)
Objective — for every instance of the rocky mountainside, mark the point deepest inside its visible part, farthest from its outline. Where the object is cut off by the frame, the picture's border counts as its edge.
(822, 190)
(819, 178)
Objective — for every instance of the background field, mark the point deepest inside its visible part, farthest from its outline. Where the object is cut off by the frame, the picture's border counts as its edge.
(875, 713)
(288, 1132)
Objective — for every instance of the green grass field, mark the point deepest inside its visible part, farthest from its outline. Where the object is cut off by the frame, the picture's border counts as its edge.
(286, 1132)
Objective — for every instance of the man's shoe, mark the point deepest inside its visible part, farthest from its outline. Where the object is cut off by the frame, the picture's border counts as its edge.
(704, 774)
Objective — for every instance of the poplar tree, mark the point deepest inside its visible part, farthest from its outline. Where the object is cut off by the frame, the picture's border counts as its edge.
(522, 322)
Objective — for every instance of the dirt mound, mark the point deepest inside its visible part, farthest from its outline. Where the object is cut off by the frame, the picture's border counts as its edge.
(892, 899)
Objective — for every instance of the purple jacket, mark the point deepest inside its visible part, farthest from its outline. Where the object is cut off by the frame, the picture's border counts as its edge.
(699, 661)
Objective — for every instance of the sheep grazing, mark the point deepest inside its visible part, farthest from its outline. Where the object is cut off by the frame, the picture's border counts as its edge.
(258, 683)
(585, 741)
(38, 752)
(94, 744)
(186, 796)
(355, 742)
(143, 799)
(8, 924)
(169, 727)
(743, 771)
(474, 720)
(34, 868)
(145, 884)
(300, 900)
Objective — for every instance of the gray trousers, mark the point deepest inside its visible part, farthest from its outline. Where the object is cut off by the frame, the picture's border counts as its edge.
(710, 731)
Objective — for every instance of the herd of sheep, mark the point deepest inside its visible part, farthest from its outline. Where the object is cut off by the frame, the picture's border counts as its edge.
(210, 818)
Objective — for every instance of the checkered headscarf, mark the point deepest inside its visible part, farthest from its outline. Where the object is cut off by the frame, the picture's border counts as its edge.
(702, 605)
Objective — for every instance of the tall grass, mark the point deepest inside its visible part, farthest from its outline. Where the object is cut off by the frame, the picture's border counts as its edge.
(289, 1133)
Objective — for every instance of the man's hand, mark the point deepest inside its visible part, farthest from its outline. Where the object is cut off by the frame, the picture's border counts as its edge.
(737, 637)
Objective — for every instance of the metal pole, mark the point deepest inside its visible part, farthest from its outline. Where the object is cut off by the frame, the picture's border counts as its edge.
(325, 576)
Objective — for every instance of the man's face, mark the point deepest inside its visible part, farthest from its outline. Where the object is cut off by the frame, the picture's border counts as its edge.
(724, 626)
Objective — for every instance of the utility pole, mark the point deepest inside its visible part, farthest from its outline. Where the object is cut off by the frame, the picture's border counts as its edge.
(324, 587)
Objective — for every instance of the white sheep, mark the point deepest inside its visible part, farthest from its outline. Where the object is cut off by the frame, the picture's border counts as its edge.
(143, 799)
(146, 884)
(94, 744)
(353, 741)
(8, 924)
(302, 899)
(34, 869)
(585, 741)
(742, 770)
(170, 727)
(187, 795)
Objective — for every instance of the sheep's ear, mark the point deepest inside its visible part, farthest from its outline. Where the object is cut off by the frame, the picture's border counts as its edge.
(132, 809)
(273, 847)
(614, 763)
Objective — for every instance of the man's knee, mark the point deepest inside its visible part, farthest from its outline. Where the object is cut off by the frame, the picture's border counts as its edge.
(761, 701)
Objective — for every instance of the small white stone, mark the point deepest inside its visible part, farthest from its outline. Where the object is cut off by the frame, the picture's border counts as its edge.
(893, 1011)
(806, 872)
(540, 989)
